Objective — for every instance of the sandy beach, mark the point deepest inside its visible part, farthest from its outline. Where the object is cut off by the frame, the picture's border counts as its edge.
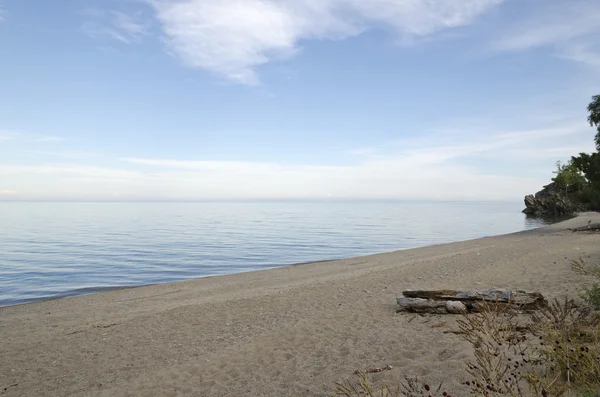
(292, 331)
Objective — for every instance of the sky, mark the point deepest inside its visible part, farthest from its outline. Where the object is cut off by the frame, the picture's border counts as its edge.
(292, 99)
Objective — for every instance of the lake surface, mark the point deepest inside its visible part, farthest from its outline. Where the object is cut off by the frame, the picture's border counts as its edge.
(50, 250)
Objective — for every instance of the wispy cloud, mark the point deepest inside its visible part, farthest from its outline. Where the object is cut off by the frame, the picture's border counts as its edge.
(7, 192)
(464, 141)
(231, 38)
(569, 28)
(420, 171)
(2, 14)
(47, 139)
(418, 152)
(201, 165)
(6, 135)
(582, 52)
(455, 167)
(115, 25)
(399, 178)
(66, 154)
(68, 169)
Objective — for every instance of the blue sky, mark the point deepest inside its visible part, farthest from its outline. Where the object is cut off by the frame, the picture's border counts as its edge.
(303, 99)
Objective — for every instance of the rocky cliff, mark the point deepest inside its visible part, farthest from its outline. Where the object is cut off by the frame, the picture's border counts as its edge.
(552, 202)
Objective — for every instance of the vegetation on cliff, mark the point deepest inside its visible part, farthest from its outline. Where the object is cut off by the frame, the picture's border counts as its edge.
(576, 186)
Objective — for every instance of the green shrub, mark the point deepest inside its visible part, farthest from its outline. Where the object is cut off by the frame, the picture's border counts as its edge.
(591, 295)
(591, 195)
(591, 292)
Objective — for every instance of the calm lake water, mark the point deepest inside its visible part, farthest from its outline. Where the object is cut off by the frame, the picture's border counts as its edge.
(51, 250)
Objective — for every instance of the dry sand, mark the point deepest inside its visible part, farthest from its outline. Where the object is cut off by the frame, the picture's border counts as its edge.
(292, 331)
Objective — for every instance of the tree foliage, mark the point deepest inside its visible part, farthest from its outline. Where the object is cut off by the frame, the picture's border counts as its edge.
(579, 178)
(569, 177)
(581, 175)
(594, 117)
(588, 165)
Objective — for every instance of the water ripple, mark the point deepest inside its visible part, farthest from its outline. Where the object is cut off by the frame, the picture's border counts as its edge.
(50, 250)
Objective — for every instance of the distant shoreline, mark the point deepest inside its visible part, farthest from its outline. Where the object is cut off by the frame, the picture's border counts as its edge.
(299, 200)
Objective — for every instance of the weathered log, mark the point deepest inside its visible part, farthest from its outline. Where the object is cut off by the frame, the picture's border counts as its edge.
(522, 299)
(590, 227)
(418, 305)
(455, 302)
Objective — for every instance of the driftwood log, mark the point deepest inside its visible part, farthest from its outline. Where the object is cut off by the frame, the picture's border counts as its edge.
(454, 302)
(590, 227)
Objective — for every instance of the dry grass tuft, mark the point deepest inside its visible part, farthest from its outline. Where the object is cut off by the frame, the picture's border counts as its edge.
(582, 266)
(499, 339)
(547, 353)
(591, 292)
(554, 351)
(411, 387)
(363, 387)
(569, 347)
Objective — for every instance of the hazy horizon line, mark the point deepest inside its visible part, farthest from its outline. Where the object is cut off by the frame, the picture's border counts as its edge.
(264, 200)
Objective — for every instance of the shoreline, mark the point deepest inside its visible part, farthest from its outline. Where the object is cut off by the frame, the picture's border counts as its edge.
(104, 289)
(293, 330)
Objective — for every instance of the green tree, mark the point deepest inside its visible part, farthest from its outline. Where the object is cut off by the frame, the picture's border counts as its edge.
(588, 165)
(569, 177)
(594, 117)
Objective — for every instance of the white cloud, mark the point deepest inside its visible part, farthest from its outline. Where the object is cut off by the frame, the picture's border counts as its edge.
(232, 37)
(115, 25)
(65, 154)
(495, 165)
(402, 178)
(2, 15)
(6, 135)
(569, 28)
(416, 152)
(47, 139)
(582, 52)
(465, 141)
(68, 169)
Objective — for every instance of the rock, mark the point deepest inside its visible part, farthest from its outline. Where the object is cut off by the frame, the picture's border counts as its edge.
(531, 204)
(549, 202)
(455, 307)
(547, 192)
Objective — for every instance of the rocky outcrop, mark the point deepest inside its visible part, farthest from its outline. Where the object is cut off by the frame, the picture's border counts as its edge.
(550, 202)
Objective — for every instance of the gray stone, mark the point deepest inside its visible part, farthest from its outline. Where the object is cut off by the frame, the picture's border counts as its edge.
(550, 202)
(454, 307)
